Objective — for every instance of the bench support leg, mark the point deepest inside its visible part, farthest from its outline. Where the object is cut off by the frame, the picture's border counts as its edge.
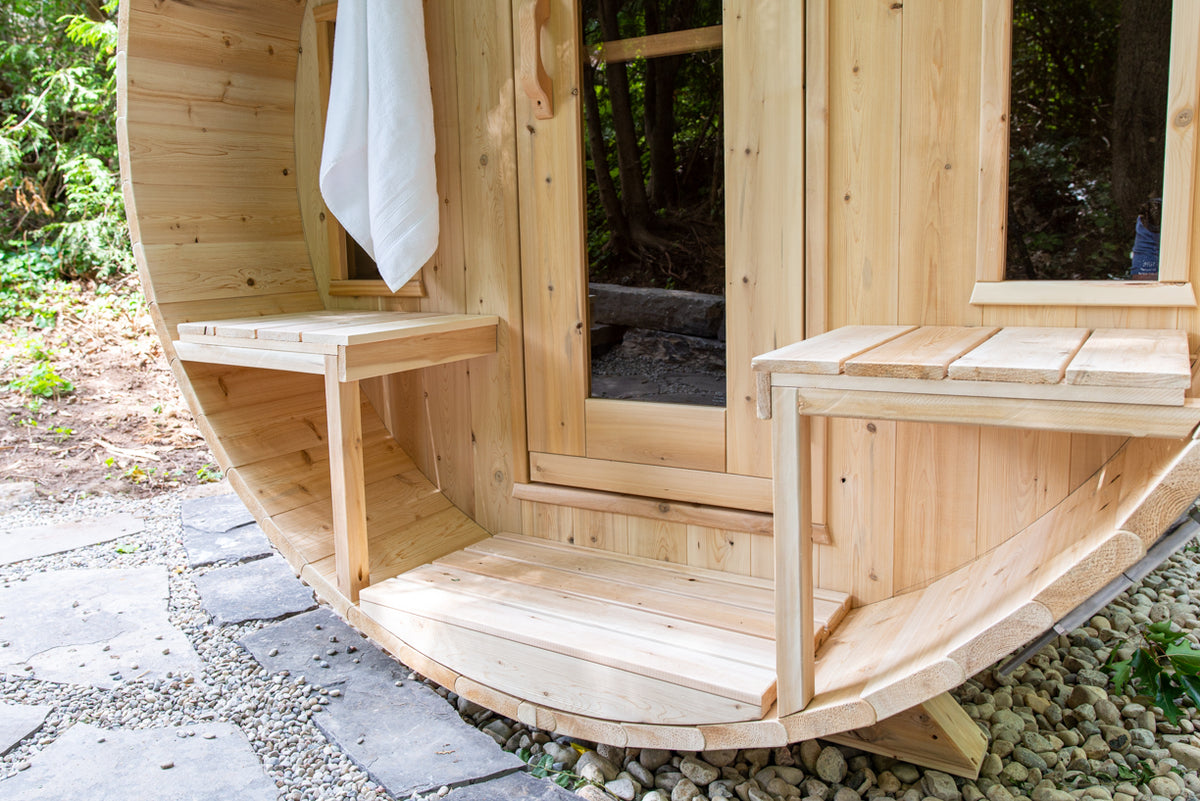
(351, 560)
(791, 444)
(937, 734)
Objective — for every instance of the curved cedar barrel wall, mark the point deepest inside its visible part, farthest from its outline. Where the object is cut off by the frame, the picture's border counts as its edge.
(207, 114)
(205, 111)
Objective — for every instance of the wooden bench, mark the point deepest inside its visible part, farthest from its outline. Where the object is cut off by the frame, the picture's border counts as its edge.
(1110, 381)
(344, 347)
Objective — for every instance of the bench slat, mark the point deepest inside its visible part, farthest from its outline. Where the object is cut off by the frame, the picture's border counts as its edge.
(1021, 355)
(1132, 358)
(825, 353)
(924, 353)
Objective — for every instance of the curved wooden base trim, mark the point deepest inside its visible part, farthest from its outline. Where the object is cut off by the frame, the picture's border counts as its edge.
(917, 650)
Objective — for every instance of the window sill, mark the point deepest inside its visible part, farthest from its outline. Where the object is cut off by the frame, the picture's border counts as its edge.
(375, 288)
(1083, 293)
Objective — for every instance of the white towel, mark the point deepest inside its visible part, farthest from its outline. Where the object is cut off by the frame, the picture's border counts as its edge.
(377, 168)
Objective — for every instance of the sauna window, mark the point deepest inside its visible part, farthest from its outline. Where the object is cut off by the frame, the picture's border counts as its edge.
(655, 197)
(1079, 181)
(352, 270)
(1087, 114)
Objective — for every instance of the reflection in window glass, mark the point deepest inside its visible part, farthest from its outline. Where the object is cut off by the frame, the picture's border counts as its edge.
(1087, 120)
(655, 183)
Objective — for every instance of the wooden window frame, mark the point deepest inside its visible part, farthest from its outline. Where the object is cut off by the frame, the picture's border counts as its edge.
(340, 282)
(1173, 289)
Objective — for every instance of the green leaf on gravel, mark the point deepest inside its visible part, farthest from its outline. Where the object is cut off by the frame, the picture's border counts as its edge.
(1191, 688)
(1120, 675)
(1164, 699)
(1184, 658)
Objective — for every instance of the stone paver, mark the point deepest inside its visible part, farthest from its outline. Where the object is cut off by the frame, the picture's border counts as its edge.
(296, 640)
(215, 513)
(214, 763)
(405, 737)
(408, 738)
(18, 721)
(19, 544)
(239, 544)
(261, 590)
(94, 626)
(514, 787)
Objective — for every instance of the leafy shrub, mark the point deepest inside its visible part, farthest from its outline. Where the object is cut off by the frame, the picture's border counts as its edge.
(42, 381)
(1163, 670)
(25, 273)
(59, 181)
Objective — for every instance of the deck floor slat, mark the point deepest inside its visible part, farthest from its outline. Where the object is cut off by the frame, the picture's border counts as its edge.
(631, 619)
(743, 591)
(669, 604)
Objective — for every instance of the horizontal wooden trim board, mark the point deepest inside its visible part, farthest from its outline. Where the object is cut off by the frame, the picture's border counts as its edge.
(1083, 293)
(370, 288)
(261, 358)
(653, 508)
(985, 389)
(672, 43)
(696, 486)
(1172, 422)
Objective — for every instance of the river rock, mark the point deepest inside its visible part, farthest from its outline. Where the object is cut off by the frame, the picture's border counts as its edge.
(1086, 694)
(1028, 758)
(941, 786)
(699, 771)
(590, 792)
(831, 765)
(596, 768)
(564, 754)
(622, 787)
(790, 774)
(906, 773)
(809, 751)
(654, 758)
(684, 790)
(720, 758)
(1187, 755)
(640, 773)
(889, 784)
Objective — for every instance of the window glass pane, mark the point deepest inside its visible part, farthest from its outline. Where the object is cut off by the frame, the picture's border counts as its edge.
(1087, 120)
(655, 199)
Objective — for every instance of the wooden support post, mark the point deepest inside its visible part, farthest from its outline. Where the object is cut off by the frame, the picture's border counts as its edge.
(937, 734)
(351, 559)
(791, 433)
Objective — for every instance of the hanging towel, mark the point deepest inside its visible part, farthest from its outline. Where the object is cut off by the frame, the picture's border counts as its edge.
(377, 170)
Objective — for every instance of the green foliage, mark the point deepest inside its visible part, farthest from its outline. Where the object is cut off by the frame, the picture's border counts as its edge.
(1165, 669)
(24, 276)
(60, 197)
(209, 474)
(542, 767)
(42, 381)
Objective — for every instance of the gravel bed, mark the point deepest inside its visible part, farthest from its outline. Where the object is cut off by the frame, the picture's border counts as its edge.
(274, 712)
(1057, 731)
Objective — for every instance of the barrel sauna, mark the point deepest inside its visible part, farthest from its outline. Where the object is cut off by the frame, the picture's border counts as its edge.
(885, 504)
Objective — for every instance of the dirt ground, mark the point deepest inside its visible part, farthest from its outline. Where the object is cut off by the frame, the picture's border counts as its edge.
(123, 429)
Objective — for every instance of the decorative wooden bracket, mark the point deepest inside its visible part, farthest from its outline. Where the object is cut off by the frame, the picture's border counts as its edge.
(534, 79)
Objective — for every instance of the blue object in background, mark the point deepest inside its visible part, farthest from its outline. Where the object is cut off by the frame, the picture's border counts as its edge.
(1145, 253)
